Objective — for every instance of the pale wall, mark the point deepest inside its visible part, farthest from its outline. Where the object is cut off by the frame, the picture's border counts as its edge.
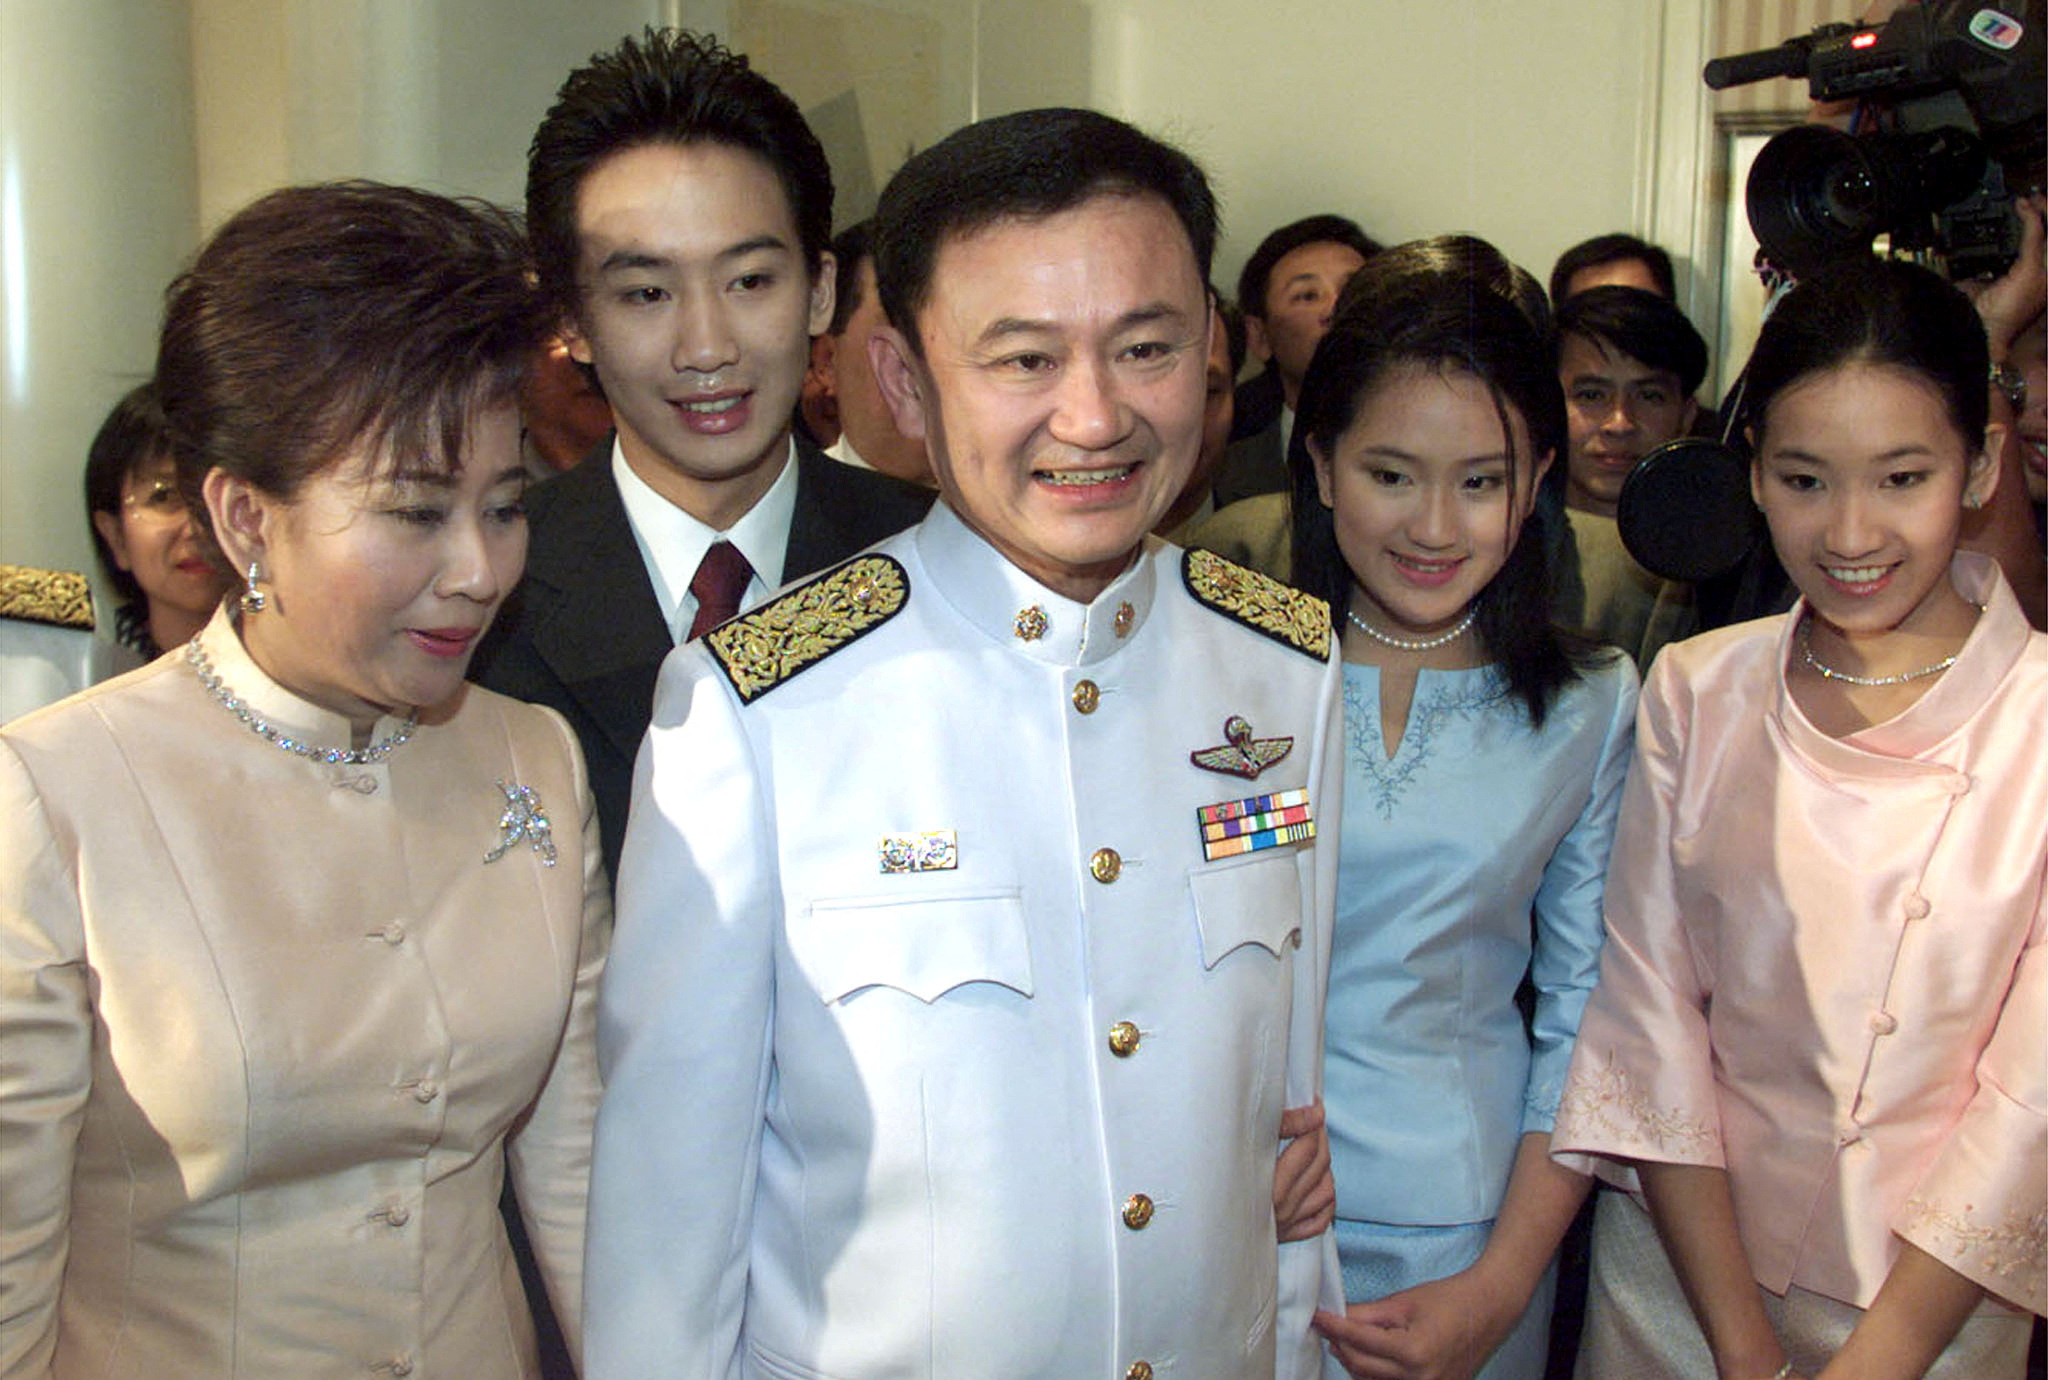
(1518, 122)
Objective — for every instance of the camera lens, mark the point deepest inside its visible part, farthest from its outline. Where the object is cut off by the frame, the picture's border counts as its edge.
(1847, 197)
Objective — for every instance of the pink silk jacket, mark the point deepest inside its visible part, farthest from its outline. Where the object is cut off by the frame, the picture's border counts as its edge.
(1826, 969)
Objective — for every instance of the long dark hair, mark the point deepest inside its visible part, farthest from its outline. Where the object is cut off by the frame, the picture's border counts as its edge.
(1454, 323)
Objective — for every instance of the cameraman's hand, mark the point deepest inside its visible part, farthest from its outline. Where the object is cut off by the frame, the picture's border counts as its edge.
(2009, 304)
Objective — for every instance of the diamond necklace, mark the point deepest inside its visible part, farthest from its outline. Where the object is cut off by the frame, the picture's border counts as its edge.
(1420, 644)
(363, 756)
(1830, 673)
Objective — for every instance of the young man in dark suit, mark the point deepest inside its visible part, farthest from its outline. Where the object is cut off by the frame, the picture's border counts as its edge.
(681, 212)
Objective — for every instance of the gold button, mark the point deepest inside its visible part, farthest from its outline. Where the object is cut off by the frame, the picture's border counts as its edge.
(1105, 866)
(1137, 1211)
(1123, 1039)
(1086, 696)
(1139, 1370)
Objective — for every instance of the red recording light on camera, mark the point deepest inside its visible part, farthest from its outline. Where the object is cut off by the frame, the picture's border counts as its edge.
(1863, 40)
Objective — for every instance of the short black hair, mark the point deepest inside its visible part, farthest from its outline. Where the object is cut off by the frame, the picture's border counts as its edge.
(1253, 281)
(1025, 166)
(850, 248)
(1611, 249)
(1639, 324)
(668, 86)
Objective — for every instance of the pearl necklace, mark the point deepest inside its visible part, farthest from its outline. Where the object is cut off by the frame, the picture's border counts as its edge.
(363, 756)
(1419, 644)
(1830, 673)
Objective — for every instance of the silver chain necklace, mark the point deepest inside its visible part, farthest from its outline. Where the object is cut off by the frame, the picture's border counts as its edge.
(1420, 644)
(1830, 673)
(312, 752)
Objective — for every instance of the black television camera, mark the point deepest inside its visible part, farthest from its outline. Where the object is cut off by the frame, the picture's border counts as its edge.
(1957, 87)
(1962, 120)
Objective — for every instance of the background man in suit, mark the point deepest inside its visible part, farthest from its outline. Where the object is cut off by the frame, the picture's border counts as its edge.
(681, 211)
(1287, 291)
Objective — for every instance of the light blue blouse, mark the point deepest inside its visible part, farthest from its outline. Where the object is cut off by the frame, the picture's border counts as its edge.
(1449, 847)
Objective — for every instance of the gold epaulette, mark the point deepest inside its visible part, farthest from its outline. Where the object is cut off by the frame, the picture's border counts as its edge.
(1260, 602)
(801, 627)
(59, 597)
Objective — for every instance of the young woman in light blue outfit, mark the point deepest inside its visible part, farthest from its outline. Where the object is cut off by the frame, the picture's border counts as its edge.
(1485, 758)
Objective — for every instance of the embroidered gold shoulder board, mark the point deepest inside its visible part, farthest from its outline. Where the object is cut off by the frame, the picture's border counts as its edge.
(46, 596)
(761, 649)
(1260, 602)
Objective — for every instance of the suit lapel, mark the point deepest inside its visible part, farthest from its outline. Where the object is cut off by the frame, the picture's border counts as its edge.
(603, 634)
(817, 537)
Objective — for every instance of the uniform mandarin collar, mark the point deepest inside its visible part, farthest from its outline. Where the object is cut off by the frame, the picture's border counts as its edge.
(268, 701)
(1889, 748)
(1015, 610)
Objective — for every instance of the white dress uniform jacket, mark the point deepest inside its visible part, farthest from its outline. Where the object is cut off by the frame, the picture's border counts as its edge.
(1013, 1112)
(271, 1029)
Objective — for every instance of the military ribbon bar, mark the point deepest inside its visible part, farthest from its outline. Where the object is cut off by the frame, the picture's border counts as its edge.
(1232, 827)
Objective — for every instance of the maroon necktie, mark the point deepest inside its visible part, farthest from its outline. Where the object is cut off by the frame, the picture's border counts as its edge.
(719, 584)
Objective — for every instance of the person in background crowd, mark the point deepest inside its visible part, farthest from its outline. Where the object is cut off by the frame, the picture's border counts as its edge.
(1629, 362)
(2014, 309)
(937, 1050)
(1286, 291)
(1484, 759)
(1226, 357)
(1816, 1043)
(147, 543)
(868, 436)
(1612, 261)
(562, 410)
(300, 935)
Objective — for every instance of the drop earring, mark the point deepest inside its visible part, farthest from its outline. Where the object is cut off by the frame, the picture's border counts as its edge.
(253, 599)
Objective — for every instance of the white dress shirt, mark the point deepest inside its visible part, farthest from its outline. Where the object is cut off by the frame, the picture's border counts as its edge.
(672, 543)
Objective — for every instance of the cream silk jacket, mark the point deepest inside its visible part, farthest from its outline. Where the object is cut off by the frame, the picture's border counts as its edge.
(266, 1026)
(1827, 961)
(1011, 1111)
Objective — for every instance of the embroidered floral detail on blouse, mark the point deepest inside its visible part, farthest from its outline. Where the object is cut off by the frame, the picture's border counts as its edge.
(1387, 780)
(2007, 1249)
(1610, 1101)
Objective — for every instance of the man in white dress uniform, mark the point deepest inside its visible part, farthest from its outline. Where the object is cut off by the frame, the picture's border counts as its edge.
(973, 926)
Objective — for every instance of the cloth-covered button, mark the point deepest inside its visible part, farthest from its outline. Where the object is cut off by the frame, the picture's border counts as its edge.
(398, 1214)
(1959, 784)
(1883, 1023)
(426, 1090)
(1917, 907)
(1137, 1211)
(1138, 1370)
(393, 933)
(1087, 694)
(1848, 1133)
(1124, 1039)
(1106, 866)
(401, 1365)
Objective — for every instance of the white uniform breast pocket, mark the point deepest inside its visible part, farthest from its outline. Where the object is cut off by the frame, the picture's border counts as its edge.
(925, 947)
(1250, 901)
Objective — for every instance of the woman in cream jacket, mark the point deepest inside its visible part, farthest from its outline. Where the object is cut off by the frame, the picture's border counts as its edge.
(298, 933)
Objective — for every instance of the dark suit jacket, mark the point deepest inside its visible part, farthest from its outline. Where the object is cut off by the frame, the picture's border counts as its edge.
(584, 634)
(1251, 465)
